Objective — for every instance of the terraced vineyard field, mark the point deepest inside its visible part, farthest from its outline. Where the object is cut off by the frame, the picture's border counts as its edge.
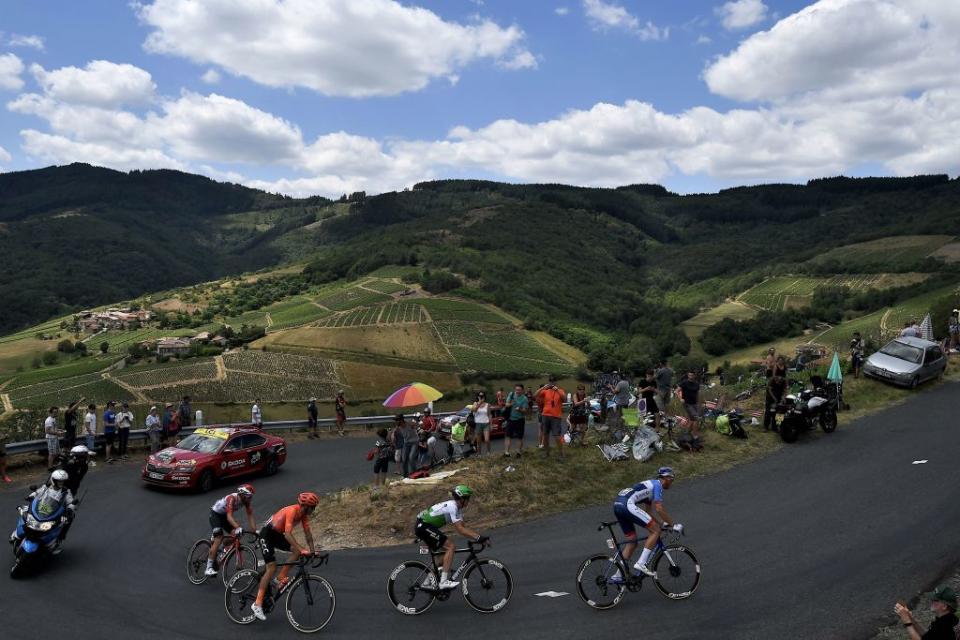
(394, 272)
(785, 292)
(352, 298)
(443, 309)
(280, 364)
(60, 393)
(166, 375)
(385, 286)
(496, 348)
(79, 367)
(251, 318)
(396, 313)
(295, 315)
(887, 253)
(246, 387)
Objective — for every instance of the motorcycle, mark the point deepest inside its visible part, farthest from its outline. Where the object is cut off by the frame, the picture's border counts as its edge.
(38, 533)
(805, 409)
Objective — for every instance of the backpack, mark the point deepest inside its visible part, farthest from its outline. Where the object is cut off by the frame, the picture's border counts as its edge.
(420, 473)
(372, 453)
(722, 425)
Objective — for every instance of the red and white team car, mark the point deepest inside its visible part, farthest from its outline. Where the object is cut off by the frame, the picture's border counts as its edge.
(211, 454)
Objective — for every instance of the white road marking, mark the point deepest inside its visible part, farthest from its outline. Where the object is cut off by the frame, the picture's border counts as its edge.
(919, 462)
(552, 594)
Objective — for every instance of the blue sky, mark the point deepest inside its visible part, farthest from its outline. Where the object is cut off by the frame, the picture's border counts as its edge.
(311, 96)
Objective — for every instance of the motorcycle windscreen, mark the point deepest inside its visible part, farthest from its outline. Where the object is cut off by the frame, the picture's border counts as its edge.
(46, 506)
(815, 402)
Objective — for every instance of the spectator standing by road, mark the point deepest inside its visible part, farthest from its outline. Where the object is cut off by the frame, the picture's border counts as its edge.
(953, 326)
(664, 377)
(184, 413)
(256, 416)
(690, 395)
(944, 607)
(110, 428)
(579, 407)
(152, 424)
(551, 398)
(770, 362)
(340, 408)
(312, 418)
(408, 456)
(482, 417)
(647, 389)
(517, 407)
(124, 422)
(776, 387)
(166, 424)
(780, 367)
(90, 427)
(621, 398)
(381, 458)
(501, 398)
(52, 433)
(856, 353)
(70, 424)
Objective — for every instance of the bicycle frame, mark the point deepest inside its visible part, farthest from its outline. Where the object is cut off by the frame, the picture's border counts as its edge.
(470, 559)
(623, 562)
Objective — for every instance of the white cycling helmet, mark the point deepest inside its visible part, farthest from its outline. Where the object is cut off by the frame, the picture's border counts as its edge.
(59, 476)
(80, 450)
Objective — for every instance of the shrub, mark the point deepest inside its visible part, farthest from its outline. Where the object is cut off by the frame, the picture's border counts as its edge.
(66, 346)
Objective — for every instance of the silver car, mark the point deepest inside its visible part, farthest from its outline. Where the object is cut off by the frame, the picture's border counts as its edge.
(907, 362)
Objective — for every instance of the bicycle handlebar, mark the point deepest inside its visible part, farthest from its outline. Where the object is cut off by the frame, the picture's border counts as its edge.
(320, 559)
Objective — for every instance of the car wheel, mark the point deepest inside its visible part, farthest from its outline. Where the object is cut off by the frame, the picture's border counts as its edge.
(205, 483)
(915, 382)
(271, 467)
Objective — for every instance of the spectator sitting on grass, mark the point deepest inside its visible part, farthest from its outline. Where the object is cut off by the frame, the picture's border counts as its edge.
(944, 606)
(381, 459)
(429, 423)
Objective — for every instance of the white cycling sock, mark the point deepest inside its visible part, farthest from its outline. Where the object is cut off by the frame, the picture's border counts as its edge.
(209, 562)
(444, 576)
(644, 556)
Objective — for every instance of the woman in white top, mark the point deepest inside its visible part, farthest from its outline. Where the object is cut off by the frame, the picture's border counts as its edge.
(481, 414)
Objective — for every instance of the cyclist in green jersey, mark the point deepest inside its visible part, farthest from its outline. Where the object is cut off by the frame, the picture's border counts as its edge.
(430, 521)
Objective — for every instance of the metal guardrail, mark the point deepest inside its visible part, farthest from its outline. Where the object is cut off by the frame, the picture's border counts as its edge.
(40, 446)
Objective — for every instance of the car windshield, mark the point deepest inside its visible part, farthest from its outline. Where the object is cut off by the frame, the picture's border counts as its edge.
(202, 444)
(903, 352)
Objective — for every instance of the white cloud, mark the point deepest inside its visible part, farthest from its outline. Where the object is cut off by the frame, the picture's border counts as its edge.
(211, 76)
(10, 69)
(5, 155)
(354, 48)
(561, 11)
(704, 40)
(33, 42)
(101, 83)
(606, 15)
(740, 14)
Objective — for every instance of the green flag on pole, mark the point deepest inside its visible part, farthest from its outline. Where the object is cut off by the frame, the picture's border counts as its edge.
(834, 374)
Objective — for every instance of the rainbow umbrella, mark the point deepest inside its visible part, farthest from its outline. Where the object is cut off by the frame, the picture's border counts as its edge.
(411, 395)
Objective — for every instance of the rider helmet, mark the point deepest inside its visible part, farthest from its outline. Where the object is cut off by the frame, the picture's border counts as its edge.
(462, 492)
(246, 491)
(665, 472)
(59, 477)
(308, 499)
(80, 450)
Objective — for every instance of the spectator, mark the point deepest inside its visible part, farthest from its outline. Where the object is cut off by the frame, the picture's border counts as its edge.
(579, 409)
(550, 397)
(381, 458)
(537, 401)
(312, 418)
(52, 434)
(776, 388)
(166, 424)
(664, 378)
(396, 440)
(429, 423)
(152, 424)
(256, 417)
(647, 389)
(501, 398)
(621, 398)
(910, 330)
(184, 413)
(482, 418)
(340, 408)
(944, 607)
(90, 427)
(690, 395)
(770, 362)
(422, 453)
(70, 424)
(124, 422)
(856, 353)
(953, 327)
(110, 428)
(517, 406)
(3, 459)
(780, 368)
(408, 455)
(459, 435)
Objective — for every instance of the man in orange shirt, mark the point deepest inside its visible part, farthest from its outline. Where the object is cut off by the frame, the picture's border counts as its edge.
(277, 533)
(550, 397)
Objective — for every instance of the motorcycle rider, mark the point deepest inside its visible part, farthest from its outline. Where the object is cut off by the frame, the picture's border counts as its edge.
(56, 490)
(76, 464)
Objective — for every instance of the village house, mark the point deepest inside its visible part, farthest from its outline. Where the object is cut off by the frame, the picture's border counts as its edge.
(93, 321)
(172, 347)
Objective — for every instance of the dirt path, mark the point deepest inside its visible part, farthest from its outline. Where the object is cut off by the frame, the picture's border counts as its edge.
(150, 387)
(123, 385)
(266, 316)
(221, 368)
(883, 321)
(7, 404)
(317, 304)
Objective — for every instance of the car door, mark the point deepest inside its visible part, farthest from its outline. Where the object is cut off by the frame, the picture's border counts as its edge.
(933, 362)
(233, 459)
(254, 451)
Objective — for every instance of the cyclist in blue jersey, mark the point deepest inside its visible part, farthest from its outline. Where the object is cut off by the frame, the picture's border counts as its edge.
(633, 506)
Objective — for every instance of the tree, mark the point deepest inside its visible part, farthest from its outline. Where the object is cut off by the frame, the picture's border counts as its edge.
(104, 347)
(66, 346)
(81, 347)
(50, 357)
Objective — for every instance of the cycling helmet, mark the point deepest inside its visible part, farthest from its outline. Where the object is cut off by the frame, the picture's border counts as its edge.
(665, 472)
(308, 499)
(59, 476)
(246, 490)
(462, 491)
(80, 450)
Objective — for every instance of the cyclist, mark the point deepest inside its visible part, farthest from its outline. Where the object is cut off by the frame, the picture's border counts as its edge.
(430, 521)
(629, 512)
(277, 533)
(221, 519)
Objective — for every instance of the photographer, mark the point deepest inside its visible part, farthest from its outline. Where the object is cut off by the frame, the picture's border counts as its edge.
(551, 398)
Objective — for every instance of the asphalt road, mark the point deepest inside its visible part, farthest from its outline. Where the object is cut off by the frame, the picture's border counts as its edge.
(816, 541)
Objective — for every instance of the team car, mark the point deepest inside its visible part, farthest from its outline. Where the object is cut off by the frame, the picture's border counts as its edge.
(211, 454)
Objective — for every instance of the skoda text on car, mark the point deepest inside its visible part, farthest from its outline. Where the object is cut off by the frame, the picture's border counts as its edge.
(907, 362)
(212, 454)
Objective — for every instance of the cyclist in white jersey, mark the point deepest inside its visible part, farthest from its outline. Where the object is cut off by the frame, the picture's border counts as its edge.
(633, 506)
(222, 520)
(430, 521)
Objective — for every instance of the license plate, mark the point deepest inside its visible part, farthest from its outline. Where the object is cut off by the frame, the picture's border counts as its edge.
(155, 476)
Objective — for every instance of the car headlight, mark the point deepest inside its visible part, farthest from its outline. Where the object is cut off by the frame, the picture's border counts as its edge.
(46, 526)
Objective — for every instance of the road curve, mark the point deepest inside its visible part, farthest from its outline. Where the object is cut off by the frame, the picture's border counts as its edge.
(815, 541)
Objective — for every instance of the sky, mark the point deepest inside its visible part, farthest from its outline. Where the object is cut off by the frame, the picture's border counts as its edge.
(328, 97)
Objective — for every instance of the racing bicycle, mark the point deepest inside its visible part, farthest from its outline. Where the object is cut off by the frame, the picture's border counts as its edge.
(310, 601)
(233, 556)
(676, 567)
(486, 583)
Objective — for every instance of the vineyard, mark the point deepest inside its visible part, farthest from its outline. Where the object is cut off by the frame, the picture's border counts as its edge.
(351, 298)
(62, 392)
(250, 318)
(167, 375)
(280, 364)
(495, 348)
(392, 271)
(396, 313)
(79, 367)
(785, 292)
(246, 387)
(384, 286)
(442, 309)
(293, 315)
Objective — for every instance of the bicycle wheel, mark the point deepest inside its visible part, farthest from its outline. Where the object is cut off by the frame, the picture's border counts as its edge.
(310, 604)
(678, 572)
(240, 594)
(236, 560)
(197, 561)
(411, 587)
(593, 582)
(487, 585)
